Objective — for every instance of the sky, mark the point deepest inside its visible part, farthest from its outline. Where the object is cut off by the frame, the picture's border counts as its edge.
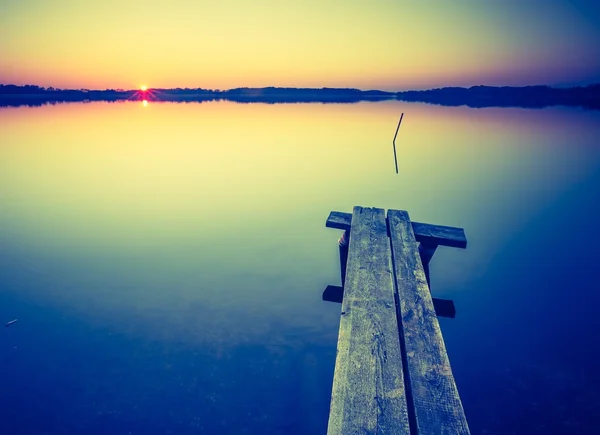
(379, 44)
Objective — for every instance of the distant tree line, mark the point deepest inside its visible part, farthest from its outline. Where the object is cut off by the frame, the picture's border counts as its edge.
(476, 96)
(507, 96)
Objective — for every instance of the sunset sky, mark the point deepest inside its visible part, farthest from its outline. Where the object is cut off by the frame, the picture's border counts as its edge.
(381, 44)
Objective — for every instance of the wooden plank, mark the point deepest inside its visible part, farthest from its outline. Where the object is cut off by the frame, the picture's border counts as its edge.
(425, 233)
(439, 235)
(443, 307)
(368, 394)
(432, 389)
(339, 220)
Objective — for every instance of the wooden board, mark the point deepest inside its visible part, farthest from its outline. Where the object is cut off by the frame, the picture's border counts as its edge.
(443, 307)
(426, 233)
(439, 235)
(432, 389)
(368, 393)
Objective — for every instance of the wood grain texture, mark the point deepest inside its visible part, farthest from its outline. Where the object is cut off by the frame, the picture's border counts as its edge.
(443, 307)
(439, 235)
(425, 233)
(339, 220)
(437, 405)
(368, 394)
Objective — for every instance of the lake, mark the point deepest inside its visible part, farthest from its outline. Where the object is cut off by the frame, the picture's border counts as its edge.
(166, 261)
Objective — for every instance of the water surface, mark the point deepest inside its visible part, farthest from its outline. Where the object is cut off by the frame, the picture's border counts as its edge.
(166, 262)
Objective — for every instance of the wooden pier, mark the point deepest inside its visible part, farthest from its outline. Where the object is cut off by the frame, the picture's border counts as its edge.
(392, 372)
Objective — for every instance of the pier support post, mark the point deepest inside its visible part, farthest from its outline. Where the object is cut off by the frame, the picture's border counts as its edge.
(426, 251)
(343, 243)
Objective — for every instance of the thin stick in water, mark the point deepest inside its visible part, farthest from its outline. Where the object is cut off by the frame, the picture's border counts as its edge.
(394, 141)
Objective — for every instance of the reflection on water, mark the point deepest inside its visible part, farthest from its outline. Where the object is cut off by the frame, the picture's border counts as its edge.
(166, 261)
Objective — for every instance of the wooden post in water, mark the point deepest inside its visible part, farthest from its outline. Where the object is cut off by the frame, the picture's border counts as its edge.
(343, 243)
(426, 251)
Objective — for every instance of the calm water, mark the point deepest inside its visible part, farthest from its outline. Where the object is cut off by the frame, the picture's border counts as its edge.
(166, 263)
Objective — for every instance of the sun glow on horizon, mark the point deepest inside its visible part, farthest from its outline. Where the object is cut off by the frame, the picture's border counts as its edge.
(143, 88)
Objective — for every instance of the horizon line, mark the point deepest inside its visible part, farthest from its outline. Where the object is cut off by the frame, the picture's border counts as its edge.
(147, 88)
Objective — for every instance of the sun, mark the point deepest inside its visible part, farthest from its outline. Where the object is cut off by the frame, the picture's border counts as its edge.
(143, 88)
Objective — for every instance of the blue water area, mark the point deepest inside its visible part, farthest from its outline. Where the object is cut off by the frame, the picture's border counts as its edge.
(70, 376)
(166, 269)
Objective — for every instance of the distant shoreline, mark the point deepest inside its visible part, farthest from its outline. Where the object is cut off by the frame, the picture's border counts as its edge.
(587, 97)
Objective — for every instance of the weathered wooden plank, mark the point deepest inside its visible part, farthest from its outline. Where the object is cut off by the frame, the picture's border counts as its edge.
(443, 307)
(439, 235)
(339, 220)
(368, 394)
(425, 233)
(437, 405)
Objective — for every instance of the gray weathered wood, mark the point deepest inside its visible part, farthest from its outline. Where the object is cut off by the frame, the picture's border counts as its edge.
(339, 220)
(437, 405)
(426, 233)
(439, 235)
(443, 307)
(368, 394)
